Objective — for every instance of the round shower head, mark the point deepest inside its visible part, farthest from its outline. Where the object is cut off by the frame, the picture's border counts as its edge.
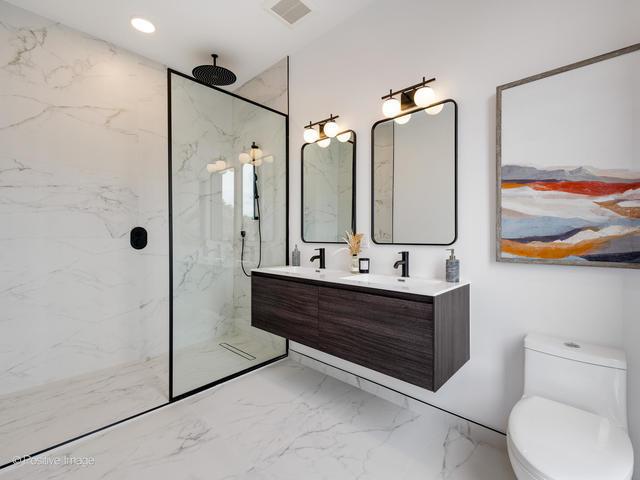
(213, 74)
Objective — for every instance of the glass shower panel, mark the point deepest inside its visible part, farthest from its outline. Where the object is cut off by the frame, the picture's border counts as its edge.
(227, 217)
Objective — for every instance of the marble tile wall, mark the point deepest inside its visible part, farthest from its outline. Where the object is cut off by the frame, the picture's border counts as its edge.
(270, 88)
(82, 161)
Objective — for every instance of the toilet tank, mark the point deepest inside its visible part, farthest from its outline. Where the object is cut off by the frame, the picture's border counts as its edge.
(589, 377)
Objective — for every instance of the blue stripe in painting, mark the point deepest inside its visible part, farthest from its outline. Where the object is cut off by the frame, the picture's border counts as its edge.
(626, 257)
(528, 227)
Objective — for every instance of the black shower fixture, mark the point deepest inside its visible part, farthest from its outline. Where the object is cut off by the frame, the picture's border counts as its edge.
(214, 74)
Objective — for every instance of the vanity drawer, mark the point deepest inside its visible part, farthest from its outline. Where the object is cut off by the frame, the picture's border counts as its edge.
(390, 335)
(285, 308)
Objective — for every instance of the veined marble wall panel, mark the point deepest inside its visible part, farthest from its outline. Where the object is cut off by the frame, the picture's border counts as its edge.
(270, 88)
(82, 161)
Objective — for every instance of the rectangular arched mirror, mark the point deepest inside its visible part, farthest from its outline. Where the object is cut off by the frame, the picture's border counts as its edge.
(328, 188)
(414, 177)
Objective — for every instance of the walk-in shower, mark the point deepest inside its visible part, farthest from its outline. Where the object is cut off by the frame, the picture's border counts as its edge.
(85, 231)
(228, 215)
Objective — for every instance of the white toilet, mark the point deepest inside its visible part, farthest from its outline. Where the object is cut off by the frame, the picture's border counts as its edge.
(571, 423)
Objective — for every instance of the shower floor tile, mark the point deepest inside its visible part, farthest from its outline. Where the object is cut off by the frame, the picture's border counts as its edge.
(284, 421)
(206, 362)
(34, 419)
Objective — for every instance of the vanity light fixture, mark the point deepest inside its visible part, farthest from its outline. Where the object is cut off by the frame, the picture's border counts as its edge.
(217, 166)
(403, 119)
(143, 25)
(436, 109)
(327, 128)
(344, 136)
(419, 95)
(254, 156)
(310, 134)
(331, 128)
(391, 107)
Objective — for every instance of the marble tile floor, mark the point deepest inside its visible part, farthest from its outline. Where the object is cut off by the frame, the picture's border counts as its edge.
(206, 362)
(37, 418)
(284, 421)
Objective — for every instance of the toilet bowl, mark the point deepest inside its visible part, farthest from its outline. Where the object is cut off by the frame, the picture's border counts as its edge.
(571, 422)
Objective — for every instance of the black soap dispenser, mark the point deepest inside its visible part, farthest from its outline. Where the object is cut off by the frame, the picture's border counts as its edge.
(453, 267)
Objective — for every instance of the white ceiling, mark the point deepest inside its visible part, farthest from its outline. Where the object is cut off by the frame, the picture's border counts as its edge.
(244, 33)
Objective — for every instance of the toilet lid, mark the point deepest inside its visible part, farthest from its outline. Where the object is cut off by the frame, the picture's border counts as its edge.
(557, 441)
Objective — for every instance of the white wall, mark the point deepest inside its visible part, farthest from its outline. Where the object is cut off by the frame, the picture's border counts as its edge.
(632, 347)
(471, 47)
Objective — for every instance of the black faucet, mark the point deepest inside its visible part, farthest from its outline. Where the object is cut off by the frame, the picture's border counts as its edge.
(320, 257)
(405, 264)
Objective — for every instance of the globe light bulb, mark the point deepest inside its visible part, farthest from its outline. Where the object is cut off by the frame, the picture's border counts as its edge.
(435, 109)
(331, 129)
(220, 165)
(424, 96)
(257, 162)
(344, 136)
(391, 107)
(244, 157)
(324, 143)
(211, 168)
(310, 135)
(403, 119)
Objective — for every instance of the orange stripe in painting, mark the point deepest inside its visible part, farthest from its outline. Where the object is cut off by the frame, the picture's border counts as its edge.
(553, 250)
(581, 188)
(506, 185)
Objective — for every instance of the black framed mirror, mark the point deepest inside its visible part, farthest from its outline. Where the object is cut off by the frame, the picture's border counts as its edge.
(329, 188)
(414, 158)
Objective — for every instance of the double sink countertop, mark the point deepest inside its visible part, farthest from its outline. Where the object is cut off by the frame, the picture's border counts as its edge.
(411, 285)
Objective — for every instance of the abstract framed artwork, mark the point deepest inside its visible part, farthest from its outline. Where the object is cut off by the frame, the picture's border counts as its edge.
(568, 164)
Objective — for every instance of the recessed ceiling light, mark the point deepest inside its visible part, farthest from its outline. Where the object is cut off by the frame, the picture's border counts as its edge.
(142, 25)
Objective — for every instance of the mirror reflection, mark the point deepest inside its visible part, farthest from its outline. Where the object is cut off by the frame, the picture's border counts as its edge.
(328, 190)
(414, 177)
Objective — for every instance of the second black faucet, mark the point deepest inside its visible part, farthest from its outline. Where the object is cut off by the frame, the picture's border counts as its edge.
(320, 257)
(405, 264)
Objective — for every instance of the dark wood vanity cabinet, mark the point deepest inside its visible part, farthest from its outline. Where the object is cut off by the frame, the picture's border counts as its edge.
(421, 340)
(288, 309)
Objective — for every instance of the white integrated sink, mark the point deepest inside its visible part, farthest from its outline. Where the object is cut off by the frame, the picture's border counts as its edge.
(302, 271)
(411, 285)
(388, 280)
(292, 270)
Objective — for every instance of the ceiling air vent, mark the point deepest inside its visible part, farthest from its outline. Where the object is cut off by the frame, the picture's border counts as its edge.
(291, 11)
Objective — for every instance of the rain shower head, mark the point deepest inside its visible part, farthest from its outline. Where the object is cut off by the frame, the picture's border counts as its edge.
(213, 74)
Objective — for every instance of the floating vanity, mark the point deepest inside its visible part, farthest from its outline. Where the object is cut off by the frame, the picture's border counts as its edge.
(416, 330)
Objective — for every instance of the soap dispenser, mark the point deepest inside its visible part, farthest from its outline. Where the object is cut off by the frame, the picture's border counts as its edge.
(453, 267)
(295, 256)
